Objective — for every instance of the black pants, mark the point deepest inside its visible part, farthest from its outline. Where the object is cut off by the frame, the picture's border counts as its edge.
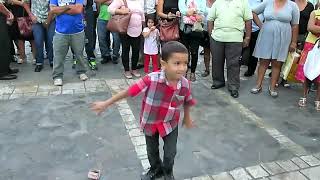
(5, 53)
(89, 31)
(192, 42)
(96, 15)
(252, 63)
(127, 42)
(169, 148)
(230, 53)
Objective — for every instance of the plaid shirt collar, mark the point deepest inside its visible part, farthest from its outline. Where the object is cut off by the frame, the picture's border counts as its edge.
(163, 79)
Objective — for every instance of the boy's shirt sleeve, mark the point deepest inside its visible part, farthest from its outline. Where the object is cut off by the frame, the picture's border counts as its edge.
(189, 100)
(140, 86)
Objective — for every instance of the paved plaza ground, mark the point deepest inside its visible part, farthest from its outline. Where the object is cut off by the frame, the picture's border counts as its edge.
(49, 132)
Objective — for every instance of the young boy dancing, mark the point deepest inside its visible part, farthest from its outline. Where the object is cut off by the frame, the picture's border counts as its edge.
(165, 93)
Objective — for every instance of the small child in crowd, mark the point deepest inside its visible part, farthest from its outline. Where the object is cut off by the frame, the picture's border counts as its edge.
(151, 38)
(193, 18)
(165, 93)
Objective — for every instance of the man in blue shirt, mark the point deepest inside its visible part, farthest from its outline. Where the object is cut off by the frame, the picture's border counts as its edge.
(69, 33)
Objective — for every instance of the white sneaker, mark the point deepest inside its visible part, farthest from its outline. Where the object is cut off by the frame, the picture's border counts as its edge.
(83, 77)
(34, 61)
(57, 82)
(135, 73)
(128, 75)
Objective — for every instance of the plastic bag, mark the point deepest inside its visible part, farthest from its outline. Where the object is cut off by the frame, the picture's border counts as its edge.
(311, 68)
(291, 76)
(287, 66)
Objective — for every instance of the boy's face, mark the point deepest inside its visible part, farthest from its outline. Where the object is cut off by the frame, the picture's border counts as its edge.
(176, 66)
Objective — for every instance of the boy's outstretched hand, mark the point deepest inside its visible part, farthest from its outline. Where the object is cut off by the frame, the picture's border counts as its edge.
(99, 106)
(188, 123)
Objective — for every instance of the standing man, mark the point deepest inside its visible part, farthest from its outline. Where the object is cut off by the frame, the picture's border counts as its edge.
(69, 33)
(227, 20)
(43, 31)
(90, 34)
(252, 63)
(6, 17)
(108, 52)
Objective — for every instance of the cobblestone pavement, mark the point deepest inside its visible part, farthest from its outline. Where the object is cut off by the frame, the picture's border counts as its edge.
(47, 132)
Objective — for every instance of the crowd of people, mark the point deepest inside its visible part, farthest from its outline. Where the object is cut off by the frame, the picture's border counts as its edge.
(225, 29)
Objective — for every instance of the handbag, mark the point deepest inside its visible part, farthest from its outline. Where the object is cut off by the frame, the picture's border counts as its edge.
(311, 68)
(25, 26)
(119, 23)
(169, 31)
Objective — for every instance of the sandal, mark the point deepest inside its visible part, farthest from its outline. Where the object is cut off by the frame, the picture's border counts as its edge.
(192, 77)
(187, 75)
(256, 90)
(205, 73)
(302, 102)
(273, 93)
(94, 175)
(317, 105)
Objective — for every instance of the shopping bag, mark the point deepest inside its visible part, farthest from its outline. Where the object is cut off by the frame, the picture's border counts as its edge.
(287, 65)
(291, 76)
(311, 68)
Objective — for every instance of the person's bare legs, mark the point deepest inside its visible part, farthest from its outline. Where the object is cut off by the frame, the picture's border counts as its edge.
(305, 88)
(206, 58)
(263, 66)
(317, 101)
(21, 50)
(303, 100)
(276, 68)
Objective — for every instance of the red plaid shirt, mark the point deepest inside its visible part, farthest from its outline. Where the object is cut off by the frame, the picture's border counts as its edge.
(161, 103)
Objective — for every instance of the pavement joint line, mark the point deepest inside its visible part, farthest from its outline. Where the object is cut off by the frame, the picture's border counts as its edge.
(283, 140)
(135, 134)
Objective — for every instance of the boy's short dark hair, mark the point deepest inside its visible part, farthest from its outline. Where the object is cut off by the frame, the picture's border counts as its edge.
(172, 47)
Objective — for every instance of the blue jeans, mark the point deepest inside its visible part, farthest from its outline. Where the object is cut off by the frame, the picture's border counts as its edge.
(42, 35)
(104, 40)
